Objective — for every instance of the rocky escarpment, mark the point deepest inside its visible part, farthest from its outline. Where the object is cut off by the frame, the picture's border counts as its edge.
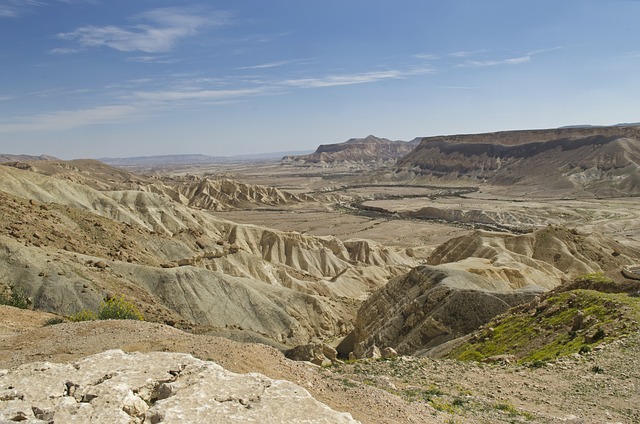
(118, 387)
(600, 160)
(473, 278)
(368, 149)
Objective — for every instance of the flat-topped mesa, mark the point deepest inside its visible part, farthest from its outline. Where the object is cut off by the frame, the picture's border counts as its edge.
(596, 159)
(370, 148)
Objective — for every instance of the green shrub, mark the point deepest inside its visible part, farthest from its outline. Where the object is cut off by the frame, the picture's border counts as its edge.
(17, 299)
(118, 307)
(83, 315)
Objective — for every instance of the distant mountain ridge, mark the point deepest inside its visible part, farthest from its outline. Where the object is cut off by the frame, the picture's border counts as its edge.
(604, 161)
(24, 158)
(192, 159)
(368, 149)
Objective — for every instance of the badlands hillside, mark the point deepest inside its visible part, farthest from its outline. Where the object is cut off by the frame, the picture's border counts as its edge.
(245, 267)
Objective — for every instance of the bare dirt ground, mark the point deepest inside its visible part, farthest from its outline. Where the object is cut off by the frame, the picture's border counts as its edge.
(600, 387)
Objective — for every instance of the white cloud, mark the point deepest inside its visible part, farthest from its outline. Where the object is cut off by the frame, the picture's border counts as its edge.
(151, 59)
(276, 64)
(3, 98)
(65, 50)
(509, 61)
(69, 119)
(350, 79)
(426, 56)
(15, 8)
(159, 31)
(465, 53)
(186, 95)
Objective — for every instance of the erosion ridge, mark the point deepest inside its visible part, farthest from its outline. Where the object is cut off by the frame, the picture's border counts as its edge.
(210, 192)
(471, 279)
(65, 245)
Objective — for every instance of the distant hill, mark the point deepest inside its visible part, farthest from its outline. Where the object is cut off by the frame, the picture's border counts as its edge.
(181, 160)
(604, 161)
(24, 158)
(370, 148)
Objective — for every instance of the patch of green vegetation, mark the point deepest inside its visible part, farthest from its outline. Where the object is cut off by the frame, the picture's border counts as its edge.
(442, 405)
(419, 394)
(508, 408)
(15, 298)
(549, 331)
(348, 383)
(116, 307)
(595, 277)
(83, 315)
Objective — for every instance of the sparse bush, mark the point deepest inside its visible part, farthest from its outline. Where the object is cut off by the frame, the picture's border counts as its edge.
(83, 315)
(597, 369)
(584, 349)
(118, 307)
(17, 299)
(54, 321)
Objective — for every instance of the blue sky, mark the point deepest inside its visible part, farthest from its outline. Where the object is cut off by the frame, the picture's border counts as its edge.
(97, 78)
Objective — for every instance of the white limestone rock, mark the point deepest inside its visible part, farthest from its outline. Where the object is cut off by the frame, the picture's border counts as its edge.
(117, 387)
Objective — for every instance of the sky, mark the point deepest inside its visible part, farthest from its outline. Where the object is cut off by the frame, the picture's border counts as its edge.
(121, 78)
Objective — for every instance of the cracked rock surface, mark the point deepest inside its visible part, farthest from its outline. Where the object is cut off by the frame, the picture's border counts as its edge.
(156, 387)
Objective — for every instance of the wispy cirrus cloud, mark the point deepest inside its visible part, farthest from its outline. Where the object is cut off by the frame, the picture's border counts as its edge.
(276, 64)
(152, 59)
(350, 79)
(156, 31)
(509, 61)
(426, 56)
(465, 53)
(194, 95)
(69, 119)
(16, 8)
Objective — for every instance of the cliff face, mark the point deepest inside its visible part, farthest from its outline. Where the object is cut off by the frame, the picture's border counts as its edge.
(366, 149)
(602, 160)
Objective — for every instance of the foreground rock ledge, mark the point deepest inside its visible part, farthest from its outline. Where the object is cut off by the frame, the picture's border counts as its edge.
(117, 387)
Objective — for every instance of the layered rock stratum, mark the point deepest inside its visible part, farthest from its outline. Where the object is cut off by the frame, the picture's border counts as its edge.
(603, 161)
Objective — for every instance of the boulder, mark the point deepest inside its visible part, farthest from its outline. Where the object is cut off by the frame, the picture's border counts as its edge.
(117, 387)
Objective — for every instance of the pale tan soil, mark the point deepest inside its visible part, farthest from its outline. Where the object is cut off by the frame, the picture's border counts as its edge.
(373, 392)
(615, 217)
(314, 219)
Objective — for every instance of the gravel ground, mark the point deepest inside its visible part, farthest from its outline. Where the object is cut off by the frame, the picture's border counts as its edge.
(600, 387)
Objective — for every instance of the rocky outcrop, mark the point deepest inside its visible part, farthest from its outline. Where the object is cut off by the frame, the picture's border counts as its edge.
(601, 160)
(368, 149)
(117, 387)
